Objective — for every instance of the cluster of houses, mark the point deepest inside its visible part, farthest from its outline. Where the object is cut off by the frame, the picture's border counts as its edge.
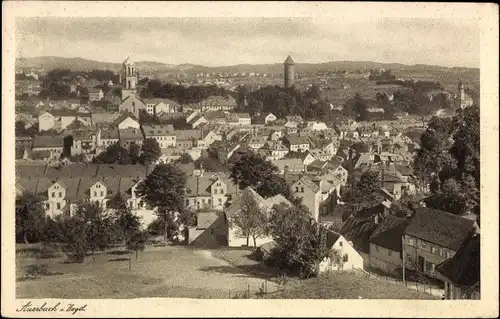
(312, 157)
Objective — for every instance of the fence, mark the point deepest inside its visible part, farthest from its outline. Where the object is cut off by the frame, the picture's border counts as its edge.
(254, 291)
(427, 288)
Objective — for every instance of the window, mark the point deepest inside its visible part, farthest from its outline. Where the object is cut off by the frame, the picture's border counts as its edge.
(102, 194)
(58, 205)
(221, 191)
(296, 189)
(47, 206)
(433, 249)
(345, 258)
(60, 194)
(187, 202)
(98, 186)
(410, 241)
(423, 244)
(408, 257)
(302, 189)
(95, 194)
(220, 201)
(53, 194)
(340, 243)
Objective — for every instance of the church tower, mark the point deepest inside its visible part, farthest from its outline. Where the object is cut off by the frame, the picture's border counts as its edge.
(128, 78)
(289, 72)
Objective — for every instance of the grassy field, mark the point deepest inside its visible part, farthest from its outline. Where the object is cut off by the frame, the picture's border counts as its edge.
(181, 271)
(347, 285)
(174, 271)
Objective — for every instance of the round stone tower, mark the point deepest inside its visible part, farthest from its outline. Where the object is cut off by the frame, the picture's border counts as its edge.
(289, 72)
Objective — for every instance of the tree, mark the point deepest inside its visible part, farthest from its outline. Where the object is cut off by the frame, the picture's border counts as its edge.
(113, 154)
(126, 223)
(136, 243)
(297, 237)
(254, 171)
(250, 219)
(98, 225)
(30, 217)
(151, 151)
(72, 234)
(134, 153)
(164, 188)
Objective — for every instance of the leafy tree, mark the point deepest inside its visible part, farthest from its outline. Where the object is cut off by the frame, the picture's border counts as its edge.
(150, 151)
(164, 188)
(254, 171)
(297, 237)
(134, 153)
(72, 234)
(126, 223)
(250, 219)
(362, 192)
(137, 242)
(98, 225)
(30, 217)
(113, 154)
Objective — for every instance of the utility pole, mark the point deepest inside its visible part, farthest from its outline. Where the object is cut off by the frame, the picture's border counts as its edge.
(404, 258)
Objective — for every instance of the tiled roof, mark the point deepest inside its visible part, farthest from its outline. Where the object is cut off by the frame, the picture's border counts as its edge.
(438, 227)
(389, 233)
(48, 141)
(130, 134)
(158, 130)
(464, 268)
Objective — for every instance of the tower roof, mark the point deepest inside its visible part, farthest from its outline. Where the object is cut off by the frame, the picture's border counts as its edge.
(289, 60)
(128, 60)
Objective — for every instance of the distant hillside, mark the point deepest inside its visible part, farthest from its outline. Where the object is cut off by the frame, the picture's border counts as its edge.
(78, 64)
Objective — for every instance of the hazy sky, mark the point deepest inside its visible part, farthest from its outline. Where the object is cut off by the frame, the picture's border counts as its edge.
(229, 41)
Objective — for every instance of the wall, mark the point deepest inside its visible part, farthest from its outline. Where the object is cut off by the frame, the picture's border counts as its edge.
(416, 250)
(354, 261)
(45, 122)
(380, 259)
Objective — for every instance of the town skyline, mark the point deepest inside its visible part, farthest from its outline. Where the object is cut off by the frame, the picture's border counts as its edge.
(383, 40)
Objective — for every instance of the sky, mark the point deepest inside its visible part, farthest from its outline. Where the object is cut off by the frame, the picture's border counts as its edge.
(228, 41)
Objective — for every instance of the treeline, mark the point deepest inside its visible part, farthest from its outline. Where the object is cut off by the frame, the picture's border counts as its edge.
(449, 162)
(148, 153)
(284, 102)
(179, 93)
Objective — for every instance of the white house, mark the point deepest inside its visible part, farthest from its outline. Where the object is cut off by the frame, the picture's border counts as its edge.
(342, 256)
(127, 121)
(163, 134)
(270, 118)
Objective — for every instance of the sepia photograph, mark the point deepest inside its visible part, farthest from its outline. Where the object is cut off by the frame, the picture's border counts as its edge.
(248, 157)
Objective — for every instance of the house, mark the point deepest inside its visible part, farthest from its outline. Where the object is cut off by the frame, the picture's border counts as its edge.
(270, 118)
(127, 120)
(293, 121)
(275, 150)
(296, 143)
(84, 142)
(51, 147)
(129, 136)
(56, 119)
(107, 137)
(159, 106)
(95, 94)
(305, 157)
(432, 237)
(101, 119)
(310, 192)
(321, 155)
(386, 244)
(163, 134)
(218, 103)
(197, 120)
(290, 165)
(275, 135)
(132, 104)
(208, 191)
(241, 119)
(210, 230)
(256, 142)
(462, 273)
(170, 155)
(342, 255)
(186, 139)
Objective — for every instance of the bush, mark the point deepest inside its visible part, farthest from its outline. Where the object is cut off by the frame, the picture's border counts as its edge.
(37, 270)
